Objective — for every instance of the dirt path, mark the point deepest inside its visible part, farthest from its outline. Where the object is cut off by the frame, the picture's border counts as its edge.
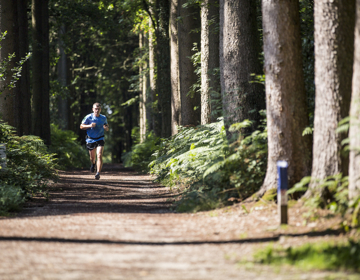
(121, 227)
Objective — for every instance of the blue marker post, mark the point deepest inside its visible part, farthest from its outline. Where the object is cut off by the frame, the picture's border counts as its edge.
(282, 167)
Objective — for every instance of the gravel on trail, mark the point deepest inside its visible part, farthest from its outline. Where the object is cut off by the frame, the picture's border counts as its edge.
(122, 227)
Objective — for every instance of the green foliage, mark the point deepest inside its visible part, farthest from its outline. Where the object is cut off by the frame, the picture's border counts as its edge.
(16, 71)
(29, 170)
(207, 171)
(11, 198)
(308, 131)
(317, 256)
(196, 61)
(331, 193)
(141, 153)
(69, 152)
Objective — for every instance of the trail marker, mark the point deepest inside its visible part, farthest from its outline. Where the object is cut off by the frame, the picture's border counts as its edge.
(2, 155)
(282, 167)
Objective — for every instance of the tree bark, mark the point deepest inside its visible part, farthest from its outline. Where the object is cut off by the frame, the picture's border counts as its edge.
(24, 96)
(285, 92)
(334, 50)
(40, 67)
(144, 85)
(163, 83)
(8, 22)
(63, 105)
(155, 125)
(210, 60)
(354, 132)
(175, 84)
(190, 20)
(239, 52)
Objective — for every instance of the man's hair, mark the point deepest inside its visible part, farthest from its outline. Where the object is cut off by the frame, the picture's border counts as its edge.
(97, 104)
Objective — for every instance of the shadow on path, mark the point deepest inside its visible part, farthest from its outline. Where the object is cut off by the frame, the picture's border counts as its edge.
(146, 243)
(120, 190)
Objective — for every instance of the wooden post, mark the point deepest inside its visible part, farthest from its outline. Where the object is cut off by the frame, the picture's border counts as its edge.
(282, 167)
(2, 156)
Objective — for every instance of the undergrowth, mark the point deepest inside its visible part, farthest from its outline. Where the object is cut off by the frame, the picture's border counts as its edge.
(206, 171)
(29, 169)
(141, 153)
(332, 192)
(67, 149)
(323, 256)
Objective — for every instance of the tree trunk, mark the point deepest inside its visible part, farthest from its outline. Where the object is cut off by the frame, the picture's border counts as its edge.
(334, 50)
(163, 83)
(209, 59)
(40, 69)
(175, 85)
(144, 85)
(24, 96)
(285, 92)
(354, 132)
(73, 97)
(190, 20)
(63, 105)
(155, 124)
(239, 58)
(8, 22)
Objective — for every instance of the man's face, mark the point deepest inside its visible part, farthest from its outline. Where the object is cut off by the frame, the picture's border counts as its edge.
(96, 110)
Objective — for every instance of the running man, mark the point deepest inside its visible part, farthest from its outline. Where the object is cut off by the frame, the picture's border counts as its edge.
(95, 124)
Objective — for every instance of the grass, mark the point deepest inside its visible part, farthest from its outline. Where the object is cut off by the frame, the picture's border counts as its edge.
(320, 256)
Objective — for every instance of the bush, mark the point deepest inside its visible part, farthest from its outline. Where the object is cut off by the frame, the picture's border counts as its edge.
(209, 172)
(11, 198)
(29, 170)
(141, 153)
(69, 152)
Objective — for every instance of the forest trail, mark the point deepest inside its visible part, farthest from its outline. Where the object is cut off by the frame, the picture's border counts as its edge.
(122, 227)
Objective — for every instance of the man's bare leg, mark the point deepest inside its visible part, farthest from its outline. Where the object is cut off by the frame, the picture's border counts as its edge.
(92, 154)
(99, 151)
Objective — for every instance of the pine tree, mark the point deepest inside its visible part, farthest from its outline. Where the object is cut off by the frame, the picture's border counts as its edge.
(285, 92)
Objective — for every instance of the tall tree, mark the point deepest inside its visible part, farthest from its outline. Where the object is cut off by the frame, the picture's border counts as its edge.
(144, 85)
(163, 82)
(209, 58)
(354, 131)
(285, 92)
(188, 34)
(154, 124)
(174, 57)
(63, 104)
(240, 48)
(334, 49)
(23, 97)
(8, 23)
(40, 69)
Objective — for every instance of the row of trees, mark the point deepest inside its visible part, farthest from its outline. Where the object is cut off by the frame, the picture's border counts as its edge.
(81, 53)
(186, 63)
(226, 32)
(184, 38)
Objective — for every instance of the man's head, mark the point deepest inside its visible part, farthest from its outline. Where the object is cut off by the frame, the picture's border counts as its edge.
(96, 109)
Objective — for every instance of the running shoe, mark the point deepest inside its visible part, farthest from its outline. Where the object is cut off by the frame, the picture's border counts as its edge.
(97, 176)
(92, 168)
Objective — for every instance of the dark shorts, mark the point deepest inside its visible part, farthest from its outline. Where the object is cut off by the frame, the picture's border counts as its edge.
(92, 146)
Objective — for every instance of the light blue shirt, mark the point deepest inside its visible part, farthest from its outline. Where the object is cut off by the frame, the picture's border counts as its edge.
(98, 130)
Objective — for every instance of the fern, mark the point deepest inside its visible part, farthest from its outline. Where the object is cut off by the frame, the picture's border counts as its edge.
(208, 170)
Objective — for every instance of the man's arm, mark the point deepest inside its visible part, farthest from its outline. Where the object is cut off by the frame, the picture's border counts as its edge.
(106, 127)
(87, 126)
